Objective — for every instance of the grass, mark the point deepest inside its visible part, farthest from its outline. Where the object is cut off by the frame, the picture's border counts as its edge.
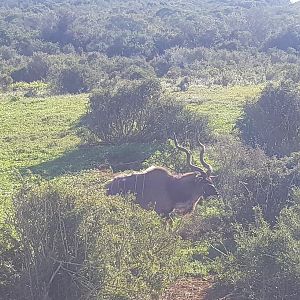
(41, 134)
(36, 130)
(223, 105)
(33, 131)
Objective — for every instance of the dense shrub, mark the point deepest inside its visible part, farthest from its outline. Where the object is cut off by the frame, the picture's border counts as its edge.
(137, 72)
(273, 121)
(10, 260)
(72, 80)
(248, 178)
(266, 262)
(290, 38)
(37, 69)
(138, 111)
(5, 81)
(76, 244)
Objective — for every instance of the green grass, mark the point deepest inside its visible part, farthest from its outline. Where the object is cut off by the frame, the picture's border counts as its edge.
(40, 134)
(223, 105)
(37, 130)
(33, 131)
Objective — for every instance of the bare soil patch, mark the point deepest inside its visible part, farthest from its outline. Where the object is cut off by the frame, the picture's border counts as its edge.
(189, 289)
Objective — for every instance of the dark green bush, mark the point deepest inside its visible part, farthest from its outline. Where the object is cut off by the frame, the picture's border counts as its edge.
(138, 111)
(248, 178)
(266, 262)
(11, 254)
(5, 81)
(273, 121)
(72, 80)
(37, 69)
(75, 245)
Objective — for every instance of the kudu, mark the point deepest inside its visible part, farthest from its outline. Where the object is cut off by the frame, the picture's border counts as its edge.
(158, 188)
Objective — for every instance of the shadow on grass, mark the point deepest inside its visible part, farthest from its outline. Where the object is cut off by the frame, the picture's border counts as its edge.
(119, 158)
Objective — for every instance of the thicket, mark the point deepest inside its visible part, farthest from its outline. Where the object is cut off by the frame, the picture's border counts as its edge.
(272, 122)
(266, 262)
(70, 239)
(137, 110)
(74, 244)
(207, 41)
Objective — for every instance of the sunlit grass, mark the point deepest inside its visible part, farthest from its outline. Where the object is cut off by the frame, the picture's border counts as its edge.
(223, 105)
(33, 131)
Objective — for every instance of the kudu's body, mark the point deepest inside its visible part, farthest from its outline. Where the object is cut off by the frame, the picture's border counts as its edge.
(158, 188)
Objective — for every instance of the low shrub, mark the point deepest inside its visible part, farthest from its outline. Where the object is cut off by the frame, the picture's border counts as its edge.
(273, 121)
(137, 110)
(76, 244)
(248, 178)
(5, 81)
(266, 262)
(37, 69)
(72, 80)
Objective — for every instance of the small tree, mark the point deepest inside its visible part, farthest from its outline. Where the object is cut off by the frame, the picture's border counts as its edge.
(37, 69)
(5, 81)
(72, 80)
(273, 121)
(248, 178)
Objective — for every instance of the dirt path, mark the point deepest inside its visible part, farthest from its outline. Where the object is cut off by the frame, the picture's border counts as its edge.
(188, 289)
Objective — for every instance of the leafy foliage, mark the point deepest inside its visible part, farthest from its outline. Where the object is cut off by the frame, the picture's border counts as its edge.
(205, 40)
(248, 178)
(266, 263)
(73, 245)
(273, 121)
(137, 110)
(71, 81)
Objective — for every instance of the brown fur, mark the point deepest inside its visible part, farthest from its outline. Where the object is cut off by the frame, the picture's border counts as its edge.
(156, 187)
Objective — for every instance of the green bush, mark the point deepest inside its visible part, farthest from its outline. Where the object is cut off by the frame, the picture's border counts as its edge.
(72, 80)
(137, 111)
(266, 262)
(5, 81)
(37, 69)
(248, 178)
(10, 261)
(273, 121)
(76, 244)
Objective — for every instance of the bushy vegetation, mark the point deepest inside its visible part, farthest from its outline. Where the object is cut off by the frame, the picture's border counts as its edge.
(147, 70)
(207, 41)
(273, 121)
(248, 178)
(74, 244)
(252, 232)
(266, 262)
(138, 111)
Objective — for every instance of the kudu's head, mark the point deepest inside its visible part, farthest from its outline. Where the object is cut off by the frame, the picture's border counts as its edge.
(200, 180)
